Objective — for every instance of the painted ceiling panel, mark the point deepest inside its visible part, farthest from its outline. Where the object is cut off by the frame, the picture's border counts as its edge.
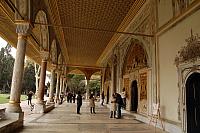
(86, 42)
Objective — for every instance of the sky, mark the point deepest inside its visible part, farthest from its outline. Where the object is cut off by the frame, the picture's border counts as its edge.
(3, 43)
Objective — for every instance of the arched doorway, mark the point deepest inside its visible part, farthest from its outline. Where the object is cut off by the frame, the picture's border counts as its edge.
(108, 95)
(193, 103)
(134, 96)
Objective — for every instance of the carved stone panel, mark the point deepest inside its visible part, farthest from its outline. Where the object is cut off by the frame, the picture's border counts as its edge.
(191, 52)
(53, 55)
(180, 5)
(44, 36)
(107, 74)
(24, 9)
(127, 86)
(143, 93)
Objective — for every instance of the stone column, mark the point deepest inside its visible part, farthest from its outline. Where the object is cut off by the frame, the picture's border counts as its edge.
(40, 105)
(37, 72)
(87, 88)
(14, 103)
(113, 85)
(52, 85)
(57, 87)
(61, 83)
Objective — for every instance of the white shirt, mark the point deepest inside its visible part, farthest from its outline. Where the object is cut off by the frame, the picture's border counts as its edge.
(123, 94)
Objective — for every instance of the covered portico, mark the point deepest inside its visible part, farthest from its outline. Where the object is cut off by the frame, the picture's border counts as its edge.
(59, 39)
(126, 42)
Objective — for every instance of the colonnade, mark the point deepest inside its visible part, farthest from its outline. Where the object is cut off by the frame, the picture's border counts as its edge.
(14, 102)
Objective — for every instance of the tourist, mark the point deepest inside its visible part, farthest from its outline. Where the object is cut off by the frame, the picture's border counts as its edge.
(79, 102)
(61, 97)
(29, 95)
(74, 97)
(123, 94)
(113, 106)
(119, 103)
(92, 104)
(102, 98)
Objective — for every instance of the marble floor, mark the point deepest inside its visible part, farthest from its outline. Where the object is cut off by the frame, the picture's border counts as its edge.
(63, 119)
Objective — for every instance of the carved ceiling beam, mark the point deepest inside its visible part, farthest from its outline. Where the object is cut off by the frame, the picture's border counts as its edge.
(93, 29)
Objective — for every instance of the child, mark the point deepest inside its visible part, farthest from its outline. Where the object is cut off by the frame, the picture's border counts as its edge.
(113, 107)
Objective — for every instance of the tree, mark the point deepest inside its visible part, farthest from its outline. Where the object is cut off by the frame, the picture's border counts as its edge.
(29, 77)
(6, 68)
(94, 86)
(76, 83)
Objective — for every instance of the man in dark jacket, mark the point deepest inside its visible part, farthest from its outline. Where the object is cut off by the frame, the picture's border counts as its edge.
(79, 102)
(102, 98)
(119, 102)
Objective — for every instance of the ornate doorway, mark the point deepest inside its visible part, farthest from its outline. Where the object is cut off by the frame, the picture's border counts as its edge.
(193, 103)
(134, 96)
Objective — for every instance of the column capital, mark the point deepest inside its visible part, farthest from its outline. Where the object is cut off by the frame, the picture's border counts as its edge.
(44, 55)
(53, 66)
(62, 76)
(24, 28)
(58, 71)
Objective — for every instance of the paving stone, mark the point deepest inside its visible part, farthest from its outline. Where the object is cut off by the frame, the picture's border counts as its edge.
(64, 119)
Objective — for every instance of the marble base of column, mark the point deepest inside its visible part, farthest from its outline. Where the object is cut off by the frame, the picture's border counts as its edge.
(57, 100)
(50, 101)
(40, 106)
(14, 108)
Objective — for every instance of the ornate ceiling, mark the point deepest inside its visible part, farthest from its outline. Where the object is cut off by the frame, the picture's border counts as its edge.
(85, 25)
(85, 29)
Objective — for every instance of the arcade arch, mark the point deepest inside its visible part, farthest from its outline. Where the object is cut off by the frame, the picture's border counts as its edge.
(136, 74)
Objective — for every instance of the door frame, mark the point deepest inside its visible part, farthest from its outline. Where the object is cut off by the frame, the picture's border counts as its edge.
(132, 95)
(188, 89)
(185, 70)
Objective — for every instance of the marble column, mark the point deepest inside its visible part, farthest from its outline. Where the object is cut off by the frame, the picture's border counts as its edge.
(37, 72)
(63, 87)
(14, 103)
(52, 85)
(101, 88)
(40, 104)
(57, 88)
(61, 83)
(113, 81)
(87, 89)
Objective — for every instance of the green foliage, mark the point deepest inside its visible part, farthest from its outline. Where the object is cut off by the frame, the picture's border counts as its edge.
(94, 86)
(29, 77)
(6, 68)
(4, 98)
(76, 83)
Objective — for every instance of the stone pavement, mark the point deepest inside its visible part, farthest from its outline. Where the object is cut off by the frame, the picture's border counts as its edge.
(63, 119)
